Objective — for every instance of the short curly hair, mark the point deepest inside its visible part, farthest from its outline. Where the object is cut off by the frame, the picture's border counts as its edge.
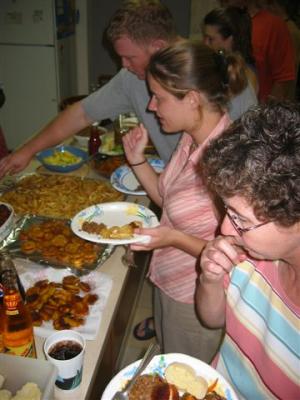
(258, 158)
(142, 21)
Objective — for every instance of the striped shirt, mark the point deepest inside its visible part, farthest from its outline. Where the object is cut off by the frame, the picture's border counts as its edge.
(260, 354)
(186, 207)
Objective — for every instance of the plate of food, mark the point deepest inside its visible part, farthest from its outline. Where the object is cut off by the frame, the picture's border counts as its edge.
(113, 223)
(175, 376)
(62, 158)
(124, 180)
(59, 300)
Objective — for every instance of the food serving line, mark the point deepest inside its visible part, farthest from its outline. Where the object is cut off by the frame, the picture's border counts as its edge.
(102, 353)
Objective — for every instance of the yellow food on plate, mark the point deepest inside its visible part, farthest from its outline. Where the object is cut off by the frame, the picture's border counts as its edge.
(114, 232)
(184, 377)
(62, 158)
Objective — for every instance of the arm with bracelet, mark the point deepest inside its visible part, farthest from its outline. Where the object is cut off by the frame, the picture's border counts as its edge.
(134, 145)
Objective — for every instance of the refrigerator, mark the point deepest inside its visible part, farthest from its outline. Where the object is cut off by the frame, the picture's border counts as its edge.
(37, 63)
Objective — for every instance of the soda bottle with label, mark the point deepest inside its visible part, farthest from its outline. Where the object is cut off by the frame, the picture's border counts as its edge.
(18, 338)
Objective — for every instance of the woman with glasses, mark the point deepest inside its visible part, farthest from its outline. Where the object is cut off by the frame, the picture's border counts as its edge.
(250, 279)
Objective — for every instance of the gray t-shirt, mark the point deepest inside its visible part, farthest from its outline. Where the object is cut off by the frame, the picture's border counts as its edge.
(125, 92)
(240, 103)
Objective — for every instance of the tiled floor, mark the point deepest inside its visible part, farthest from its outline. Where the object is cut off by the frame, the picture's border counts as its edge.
(135, 349)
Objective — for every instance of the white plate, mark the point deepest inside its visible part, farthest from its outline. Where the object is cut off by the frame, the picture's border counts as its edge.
(158, 366)
(124, 180)
(114, 214)
(101, 285)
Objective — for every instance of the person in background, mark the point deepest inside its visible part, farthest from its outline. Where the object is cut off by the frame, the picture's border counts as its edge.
(289, 11)
(230, 29)
(272, 49)
(190, 87)
(250, 274)
(138, 29)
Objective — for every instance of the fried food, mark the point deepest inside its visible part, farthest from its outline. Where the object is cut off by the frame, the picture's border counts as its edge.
(106, 167)
(60, 302)
(143, 387)
(55, 242)
(57, 195)
(154, 387)
(114, 232)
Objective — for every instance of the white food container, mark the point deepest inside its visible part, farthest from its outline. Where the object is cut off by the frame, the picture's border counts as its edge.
(18, 371)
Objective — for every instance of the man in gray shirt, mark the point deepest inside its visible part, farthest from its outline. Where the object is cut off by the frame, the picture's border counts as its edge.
(138, 29)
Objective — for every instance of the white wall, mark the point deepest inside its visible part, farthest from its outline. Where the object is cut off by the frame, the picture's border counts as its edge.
(199, 8)
(82, 47)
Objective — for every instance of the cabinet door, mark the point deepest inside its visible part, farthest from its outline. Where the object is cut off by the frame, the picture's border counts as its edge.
(29, 79)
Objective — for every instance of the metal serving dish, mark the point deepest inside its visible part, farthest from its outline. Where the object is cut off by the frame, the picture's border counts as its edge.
(14, 242)
(56, 196)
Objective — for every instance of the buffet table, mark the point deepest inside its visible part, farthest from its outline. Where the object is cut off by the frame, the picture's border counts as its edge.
(102, 354)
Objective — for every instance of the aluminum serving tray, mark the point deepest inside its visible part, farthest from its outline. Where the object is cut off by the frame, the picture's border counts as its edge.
(12, 245)
(60, 196)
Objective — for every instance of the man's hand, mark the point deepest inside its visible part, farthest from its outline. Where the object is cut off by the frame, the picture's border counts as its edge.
(15, 162)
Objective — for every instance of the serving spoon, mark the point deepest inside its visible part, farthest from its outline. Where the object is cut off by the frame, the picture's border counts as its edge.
(150, 353)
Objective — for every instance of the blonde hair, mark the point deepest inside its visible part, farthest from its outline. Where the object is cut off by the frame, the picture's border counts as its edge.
(190, 65)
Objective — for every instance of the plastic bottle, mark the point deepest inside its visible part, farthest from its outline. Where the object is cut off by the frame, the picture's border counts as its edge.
(7, 264)
(94, 141)
(18, 338)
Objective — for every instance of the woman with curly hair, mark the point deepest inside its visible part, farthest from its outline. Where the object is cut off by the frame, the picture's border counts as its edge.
(250, 274)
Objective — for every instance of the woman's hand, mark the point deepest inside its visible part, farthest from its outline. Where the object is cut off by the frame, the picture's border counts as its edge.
(159, 237)
(134, 143)
(219, 257)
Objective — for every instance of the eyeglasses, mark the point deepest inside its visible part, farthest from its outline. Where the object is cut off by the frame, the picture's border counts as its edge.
(240, 230)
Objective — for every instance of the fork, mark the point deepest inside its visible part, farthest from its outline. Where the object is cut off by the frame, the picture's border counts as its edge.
(150, 353)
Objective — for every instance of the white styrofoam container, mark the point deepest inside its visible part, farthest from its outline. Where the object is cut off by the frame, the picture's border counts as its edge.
(19, 370)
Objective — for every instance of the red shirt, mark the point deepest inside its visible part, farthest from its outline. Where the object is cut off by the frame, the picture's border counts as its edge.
(273, 51)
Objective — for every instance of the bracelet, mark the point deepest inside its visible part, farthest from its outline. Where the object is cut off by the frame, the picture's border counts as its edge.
(139, 163)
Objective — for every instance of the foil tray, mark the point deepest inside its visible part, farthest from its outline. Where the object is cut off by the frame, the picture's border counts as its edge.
(52, 203)
(12, 245)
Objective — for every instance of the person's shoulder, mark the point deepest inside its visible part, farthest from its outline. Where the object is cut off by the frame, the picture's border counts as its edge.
(269, 19)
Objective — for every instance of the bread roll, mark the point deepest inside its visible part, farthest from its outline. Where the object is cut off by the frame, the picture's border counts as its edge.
(185, 378)
(5, 394)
